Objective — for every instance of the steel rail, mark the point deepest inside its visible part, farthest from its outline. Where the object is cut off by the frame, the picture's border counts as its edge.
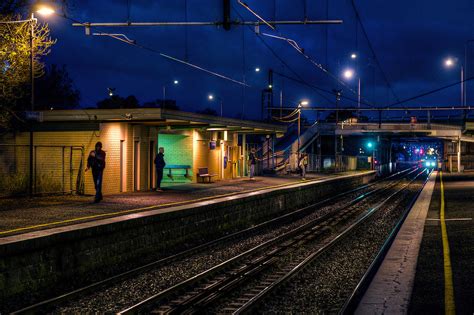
(228, 264)
(58, 300)
(350, 305)
(251, 304)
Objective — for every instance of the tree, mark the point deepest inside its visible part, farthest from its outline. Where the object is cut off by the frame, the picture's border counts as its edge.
(117, 101)
(15, 57)
(56, 90)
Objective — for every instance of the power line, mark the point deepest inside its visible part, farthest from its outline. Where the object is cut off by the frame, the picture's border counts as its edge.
(319, 88)
(279, 58)
(430, 92)
(372, 49)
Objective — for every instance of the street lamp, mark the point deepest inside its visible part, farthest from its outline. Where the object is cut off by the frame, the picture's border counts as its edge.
(353, 56)
(300, 105)
(465, 70)
(44, 11)
(175, 82)
(449, 63)
(211, 97)
(349, 74)
(257, 70)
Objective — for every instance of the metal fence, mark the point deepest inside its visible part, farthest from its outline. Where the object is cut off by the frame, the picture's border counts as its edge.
(316, 163)
(56, 169)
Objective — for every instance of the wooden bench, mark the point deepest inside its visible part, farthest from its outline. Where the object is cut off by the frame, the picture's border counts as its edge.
(203, 172)
(177, 167)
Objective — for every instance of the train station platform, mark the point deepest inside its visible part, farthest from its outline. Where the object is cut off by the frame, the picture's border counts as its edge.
(64, 243)
(429, 269)
(22, 215)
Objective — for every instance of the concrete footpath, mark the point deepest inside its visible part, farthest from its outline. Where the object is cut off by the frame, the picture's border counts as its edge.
(391, 288)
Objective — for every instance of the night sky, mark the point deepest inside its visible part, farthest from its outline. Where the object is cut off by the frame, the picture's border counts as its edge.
(410, 40)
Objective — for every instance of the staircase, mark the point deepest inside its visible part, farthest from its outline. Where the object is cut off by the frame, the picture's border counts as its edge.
(285, 157)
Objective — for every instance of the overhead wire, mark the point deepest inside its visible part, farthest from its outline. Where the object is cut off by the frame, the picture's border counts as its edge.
(134, 43)
(430, 92)
(273, 52)
(358, 17)
(318, 65)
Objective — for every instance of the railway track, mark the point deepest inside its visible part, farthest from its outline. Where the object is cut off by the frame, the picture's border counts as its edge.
(350, 198)
(259, 270)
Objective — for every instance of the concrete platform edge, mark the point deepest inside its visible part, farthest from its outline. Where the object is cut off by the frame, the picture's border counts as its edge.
(390, 290)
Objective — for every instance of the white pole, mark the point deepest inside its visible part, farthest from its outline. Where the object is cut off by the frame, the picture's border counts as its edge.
(164, 97)
(358, 100)
(459, 155)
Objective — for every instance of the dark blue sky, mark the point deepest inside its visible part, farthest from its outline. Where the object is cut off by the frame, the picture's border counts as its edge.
(410, 40)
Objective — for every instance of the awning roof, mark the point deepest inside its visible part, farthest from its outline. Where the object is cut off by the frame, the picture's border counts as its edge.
(161, 118)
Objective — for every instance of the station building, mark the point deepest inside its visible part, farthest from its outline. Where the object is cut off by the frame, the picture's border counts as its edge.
(131, 137)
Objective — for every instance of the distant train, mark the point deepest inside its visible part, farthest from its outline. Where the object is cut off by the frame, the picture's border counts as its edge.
(429, 163)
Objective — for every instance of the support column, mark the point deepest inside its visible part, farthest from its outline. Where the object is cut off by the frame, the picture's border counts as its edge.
(459, 155)
(244, 154)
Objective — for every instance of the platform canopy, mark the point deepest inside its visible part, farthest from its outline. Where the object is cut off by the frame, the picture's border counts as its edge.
(166, 119)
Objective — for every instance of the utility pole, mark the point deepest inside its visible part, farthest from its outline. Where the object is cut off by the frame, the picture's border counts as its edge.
(32, 100)
(338, 98)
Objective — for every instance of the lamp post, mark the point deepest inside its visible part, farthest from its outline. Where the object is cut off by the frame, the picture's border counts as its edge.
(175, 82)
(349, 74)
(300, 105)
(45, 11)
(465, 72)
(449, 63)
(257, 69)
(211, 97)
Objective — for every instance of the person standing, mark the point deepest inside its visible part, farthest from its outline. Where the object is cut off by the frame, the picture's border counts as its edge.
(96, 161)
(252, 163)
(160, 165)
(303, 163)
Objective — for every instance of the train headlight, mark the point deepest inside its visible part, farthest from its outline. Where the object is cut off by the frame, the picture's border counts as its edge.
(428, 164)
(433, 163)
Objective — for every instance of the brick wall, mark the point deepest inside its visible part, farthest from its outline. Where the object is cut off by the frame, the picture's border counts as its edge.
(49, 160)
(200, 151)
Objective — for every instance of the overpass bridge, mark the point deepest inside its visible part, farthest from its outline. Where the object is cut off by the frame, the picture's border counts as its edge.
(455, 137)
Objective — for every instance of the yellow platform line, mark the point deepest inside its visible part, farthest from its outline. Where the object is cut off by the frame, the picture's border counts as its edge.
(449, 306)
(165, 205)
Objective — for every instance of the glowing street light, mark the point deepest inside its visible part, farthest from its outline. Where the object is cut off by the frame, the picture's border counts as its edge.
(175, 82)
(300, 105)
(257, 69)
(348, 73)
(353, 56)
(449, 62)
(211, 97)
(45, 11)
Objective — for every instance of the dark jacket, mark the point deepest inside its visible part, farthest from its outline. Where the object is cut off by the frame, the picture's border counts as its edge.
(252, 159)
(97, 162)
(160, 160)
